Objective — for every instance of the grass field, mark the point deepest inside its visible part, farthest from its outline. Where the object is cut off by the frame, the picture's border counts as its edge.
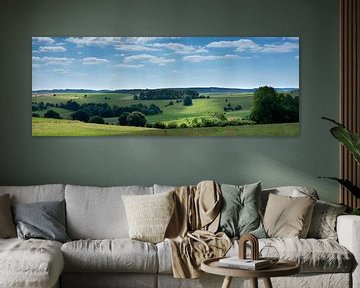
(54, 127)
(178, 113)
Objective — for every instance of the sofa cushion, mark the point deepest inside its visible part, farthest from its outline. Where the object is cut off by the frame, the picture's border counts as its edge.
(149, 215)
(291, 191)
(98, 212)
(7, 226)
(36, 193)
(30, 263)
(43, 220)
(240, 210)
(313, 255)
(116, 255)
(323, 222)
(287, 216)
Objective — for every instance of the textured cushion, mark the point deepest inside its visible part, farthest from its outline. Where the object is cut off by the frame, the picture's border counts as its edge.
(33, 263)
(98, 213)
(291, 191)
(323, 222)
(149, 215)
(117, 255)
(313, 255)
(7, 227)
(240, 210)
(36, 193)
(44, 220)
(287, 216)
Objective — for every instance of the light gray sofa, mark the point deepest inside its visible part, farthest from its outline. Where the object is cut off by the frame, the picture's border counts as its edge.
(101, 254)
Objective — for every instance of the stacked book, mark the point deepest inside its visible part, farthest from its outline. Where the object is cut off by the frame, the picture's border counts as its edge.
(248, 264)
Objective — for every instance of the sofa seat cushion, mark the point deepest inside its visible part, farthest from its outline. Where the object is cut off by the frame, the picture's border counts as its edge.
(313, 255)
(115, 255)
(30, 263)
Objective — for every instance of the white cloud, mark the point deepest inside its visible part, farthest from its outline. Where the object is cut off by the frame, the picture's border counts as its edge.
(201, 58)
(134, 47)
(250, 46)
(148, 58)
(94, 41)
(94, 61)
(57, 60)
(291, 38)
(181, 48)
(47, 40)
(280, 48)
(41, 61)
(130, 65)
(176, 47)
(61, 72)
(240, 45)
(52, 49)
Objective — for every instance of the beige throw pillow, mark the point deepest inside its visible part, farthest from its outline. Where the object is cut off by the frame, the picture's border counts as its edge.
(149, 215)
(7, 226)
(288, 217)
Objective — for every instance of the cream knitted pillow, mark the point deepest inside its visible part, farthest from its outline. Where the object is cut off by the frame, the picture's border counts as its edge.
(149, 215)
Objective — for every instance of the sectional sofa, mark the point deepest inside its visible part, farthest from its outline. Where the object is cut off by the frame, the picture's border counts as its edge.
(100, 253)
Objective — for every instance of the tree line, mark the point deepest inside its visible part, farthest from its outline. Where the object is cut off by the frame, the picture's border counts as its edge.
(84, 112)
(166, 94)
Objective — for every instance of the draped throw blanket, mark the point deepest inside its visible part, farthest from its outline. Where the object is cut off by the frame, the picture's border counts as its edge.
(191, 231)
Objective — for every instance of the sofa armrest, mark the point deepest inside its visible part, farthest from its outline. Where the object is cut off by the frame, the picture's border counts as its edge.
(348, 230)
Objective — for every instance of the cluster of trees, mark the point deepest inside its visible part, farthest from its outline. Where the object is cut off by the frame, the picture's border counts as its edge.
(229, 107)
(135, 118)
(167, 93)
(105, 110)
(95, 112)
(273, 107)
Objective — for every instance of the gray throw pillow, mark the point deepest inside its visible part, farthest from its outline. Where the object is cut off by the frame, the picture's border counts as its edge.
(323, 222)
(7, 226)
(240, 213)
(44, 220)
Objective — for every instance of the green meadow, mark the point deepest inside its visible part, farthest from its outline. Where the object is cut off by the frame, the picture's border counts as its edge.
(62, 127)
(177, 113)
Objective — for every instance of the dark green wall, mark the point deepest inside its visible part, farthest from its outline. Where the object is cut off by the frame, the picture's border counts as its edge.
(147, 160)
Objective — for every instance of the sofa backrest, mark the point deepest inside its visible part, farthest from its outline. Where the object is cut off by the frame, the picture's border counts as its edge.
(98, 212)
(36, 193)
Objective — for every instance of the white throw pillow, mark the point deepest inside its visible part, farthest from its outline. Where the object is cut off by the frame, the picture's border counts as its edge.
(149, 215)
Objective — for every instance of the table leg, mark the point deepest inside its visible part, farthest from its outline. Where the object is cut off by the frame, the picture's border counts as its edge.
(254, 282)
(227, 282)
(267, 283)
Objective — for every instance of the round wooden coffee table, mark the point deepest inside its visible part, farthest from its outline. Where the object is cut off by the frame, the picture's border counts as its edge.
(281, 268)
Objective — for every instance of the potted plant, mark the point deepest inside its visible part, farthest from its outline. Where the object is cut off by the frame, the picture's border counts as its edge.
(351, 141)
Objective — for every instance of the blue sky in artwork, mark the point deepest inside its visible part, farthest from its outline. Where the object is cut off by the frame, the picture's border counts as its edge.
(164, 62)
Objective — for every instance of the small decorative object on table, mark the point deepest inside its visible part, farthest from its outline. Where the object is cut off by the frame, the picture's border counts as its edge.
(281, 268)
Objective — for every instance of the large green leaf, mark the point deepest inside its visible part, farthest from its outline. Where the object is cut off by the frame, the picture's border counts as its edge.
(347, 184)
(348, 138)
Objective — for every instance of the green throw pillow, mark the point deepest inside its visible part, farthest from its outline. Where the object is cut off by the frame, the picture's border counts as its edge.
(240, 213)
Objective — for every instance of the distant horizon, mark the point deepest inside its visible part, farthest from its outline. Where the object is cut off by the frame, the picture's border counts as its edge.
(152, 62)
(179, 87)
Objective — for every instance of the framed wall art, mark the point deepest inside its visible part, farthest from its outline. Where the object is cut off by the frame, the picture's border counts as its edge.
(165, 86)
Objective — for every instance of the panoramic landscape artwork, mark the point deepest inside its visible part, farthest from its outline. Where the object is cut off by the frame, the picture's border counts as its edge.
(165, 86)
